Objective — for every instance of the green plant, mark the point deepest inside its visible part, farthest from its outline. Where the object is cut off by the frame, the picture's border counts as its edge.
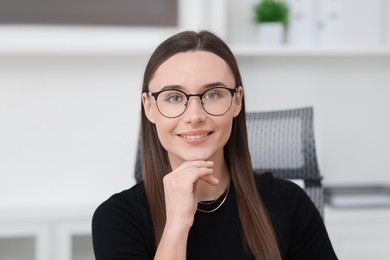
(271, 11)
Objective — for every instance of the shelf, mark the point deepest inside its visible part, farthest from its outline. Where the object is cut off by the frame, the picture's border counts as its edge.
(145, 50)
(79, 40)
(76, 50)
(140, 42)
(41, 213)
(374, 196)
(289, 51)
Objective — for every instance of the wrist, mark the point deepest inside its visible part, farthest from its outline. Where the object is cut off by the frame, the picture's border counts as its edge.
(177, 227)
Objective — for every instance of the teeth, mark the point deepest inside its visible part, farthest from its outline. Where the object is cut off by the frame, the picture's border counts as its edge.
(194, 137)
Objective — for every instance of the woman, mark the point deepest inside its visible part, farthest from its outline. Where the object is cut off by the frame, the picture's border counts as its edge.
(200, 198)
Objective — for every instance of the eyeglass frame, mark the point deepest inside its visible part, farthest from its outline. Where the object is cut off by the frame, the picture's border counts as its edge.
(156, 94)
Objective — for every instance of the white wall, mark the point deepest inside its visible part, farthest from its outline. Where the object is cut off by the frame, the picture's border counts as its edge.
(351, 105)
(68, 128)
(69, 123)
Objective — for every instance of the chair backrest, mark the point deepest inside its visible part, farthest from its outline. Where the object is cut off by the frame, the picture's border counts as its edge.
(281, 142)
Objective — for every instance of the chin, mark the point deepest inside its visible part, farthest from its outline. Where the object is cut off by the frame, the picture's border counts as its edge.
(196, 157)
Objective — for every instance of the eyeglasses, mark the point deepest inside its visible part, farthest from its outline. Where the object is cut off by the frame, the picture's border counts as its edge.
(215, 101)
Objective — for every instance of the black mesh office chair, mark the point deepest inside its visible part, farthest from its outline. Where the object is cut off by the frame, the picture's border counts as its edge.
(281, 142)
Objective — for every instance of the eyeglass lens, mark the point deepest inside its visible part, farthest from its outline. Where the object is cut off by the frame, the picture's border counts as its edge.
(215, 101)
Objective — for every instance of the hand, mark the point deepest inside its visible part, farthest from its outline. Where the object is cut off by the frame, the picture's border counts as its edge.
(180, 191)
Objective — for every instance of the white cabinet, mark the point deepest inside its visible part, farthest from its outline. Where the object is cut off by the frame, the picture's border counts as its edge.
(73, 240)
(46, 234)
(359, 234)
(18, 248)
(24, 240)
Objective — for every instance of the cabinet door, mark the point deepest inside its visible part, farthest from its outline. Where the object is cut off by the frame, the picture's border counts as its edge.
(73, 240)
(21, 241)
(359, 234)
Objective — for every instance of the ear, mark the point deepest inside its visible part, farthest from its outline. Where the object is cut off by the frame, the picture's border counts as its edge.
(238, 96)
(148, 107)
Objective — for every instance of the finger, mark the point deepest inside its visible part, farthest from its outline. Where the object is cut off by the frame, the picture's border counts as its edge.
(183, 179)
(208, 176)
(210, 179)
(193, 174)
(199, 164)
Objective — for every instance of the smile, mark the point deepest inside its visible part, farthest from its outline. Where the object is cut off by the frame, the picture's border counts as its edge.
(194, 137)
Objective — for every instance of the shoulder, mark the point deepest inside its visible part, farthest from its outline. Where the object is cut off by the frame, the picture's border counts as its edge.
(123, 208)
(125, 200)
(285, 200)
(122, 227)
(275, 190)
(298, 225)
(134, 195)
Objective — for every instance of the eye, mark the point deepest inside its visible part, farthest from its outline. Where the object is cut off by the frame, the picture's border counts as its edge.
(212, 95)
(173, 97)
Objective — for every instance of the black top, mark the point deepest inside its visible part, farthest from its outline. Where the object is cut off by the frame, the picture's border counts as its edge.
(122, 227)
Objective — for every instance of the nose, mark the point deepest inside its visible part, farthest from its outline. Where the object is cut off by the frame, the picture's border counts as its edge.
(194, 112)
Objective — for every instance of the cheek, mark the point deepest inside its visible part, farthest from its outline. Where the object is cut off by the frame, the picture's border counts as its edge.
(225, 127)
(164, 130)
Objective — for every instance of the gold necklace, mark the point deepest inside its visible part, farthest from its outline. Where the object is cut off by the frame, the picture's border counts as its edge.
(208, 203)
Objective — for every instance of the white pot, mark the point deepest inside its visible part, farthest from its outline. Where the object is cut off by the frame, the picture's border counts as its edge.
(271, 34)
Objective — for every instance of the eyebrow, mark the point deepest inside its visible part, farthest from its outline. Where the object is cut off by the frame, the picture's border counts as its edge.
(206, 86)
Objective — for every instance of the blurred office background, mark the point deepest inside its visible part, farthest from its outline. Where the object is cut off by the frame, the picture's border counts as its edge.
(70, 104)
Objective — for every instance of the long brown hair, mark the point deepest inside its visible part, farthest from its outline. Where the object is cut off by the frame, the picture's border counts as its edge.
(258, 233)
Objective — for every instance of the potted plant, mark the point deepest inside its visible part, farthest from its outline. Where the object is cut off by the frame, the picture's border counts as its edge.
(272, 18)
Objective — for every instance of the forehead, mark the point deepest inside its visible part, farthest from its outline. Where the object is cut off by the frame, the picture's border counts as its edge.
(192, 70)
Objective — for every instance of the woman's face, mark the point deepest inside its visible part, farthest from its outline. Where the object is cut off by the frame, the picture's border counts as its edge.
(195, 135)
